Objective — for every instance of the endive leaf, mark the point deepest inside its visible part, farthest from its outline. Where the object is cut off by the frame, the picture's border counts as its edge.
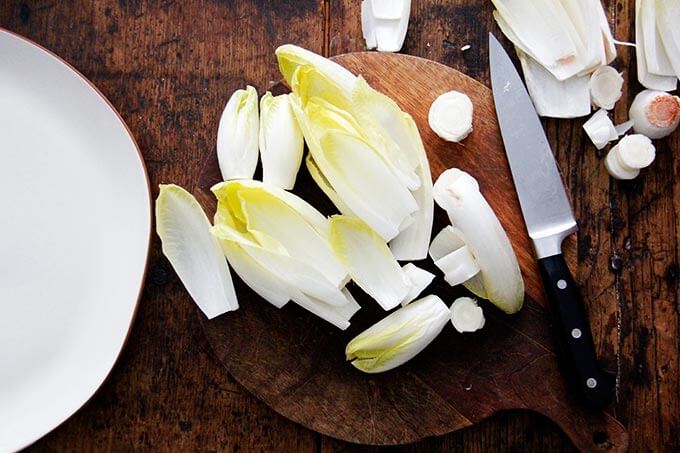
(655, 53)
(192, 251)
(326, 187)
(339, 316)
(290, 57)
(281, 142)
(285, 218)
(258, 278)
(453, 257)
(418, 278)
(458, 193)
(368, 261)
(667, 12)
(379, 112)
(399, 336)
(645, 77)
(237, 136)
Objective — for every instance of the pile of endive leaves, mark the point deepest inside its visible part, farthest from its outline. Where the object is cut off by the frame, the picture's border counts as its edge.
(367, 156)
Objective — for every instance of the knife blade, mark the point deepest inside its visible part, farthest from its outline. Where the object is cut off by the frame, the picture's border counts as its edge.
(549, 219)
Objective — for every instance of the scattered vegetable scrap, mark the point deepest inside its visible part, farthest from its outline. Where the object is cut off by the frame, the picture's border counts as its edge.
(654, 113)
(384, 23)
(466, 315)
(631, 154)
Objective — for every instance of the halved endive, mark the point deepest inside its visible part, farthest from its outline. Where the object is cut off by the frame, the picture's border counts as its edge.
(281, 142)
(278, 244)
(398, 337)
(238, 135)
(345, 122)
(195, 255)
(371, 264)
(476, 226)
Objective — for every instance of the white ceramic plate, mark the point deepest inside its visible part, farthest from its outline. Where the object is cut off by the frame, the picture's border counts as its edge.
(75, 222)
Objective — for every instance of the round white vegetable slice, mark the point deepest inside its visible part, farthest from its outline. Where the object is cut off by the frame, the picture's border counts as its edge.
(616, 170)
(655, 114)
(635, 151)
(450, 116)
(466, 315)
(605, 87)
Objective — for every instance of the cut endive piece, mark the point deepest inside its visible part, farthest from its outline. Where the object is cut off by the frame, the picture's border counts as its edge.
(645, 76)
(193, 252)
(499, 280)
(384, 23)
(281, 141)
(466, 315)
(450, 254)
(450, 116)
(269, 213)
(238, 135)
(368, 261)
(600, 129)
(654, 113)
(290, 57)
(656, 57)
(667, 13)
(605, 85)
(398, 337)
(554, 98)
(419, 279)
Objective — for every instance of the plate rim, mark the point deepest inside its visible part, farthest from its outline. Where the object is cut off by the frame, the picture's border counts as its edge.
(50, 54)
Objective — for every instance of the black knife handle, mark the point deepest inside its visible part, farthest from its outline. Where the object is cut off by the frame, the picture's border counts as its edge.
(574, 335)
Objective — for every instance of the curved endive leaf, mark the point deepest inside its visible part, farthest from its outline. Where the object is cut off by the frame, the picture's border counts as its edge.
(369, 261)
(195, 255)
(399, 336)
(237, 136)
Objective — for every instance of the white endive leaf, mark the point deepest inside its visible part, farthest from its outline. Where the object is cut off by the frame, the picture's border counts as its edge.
(339, 316)
(258, 278)
(655, 53)
(384, 116)
(554, 98)
(587, 24)
(419, 279)
(667, 13)
(290, 57)
(368, 24)
(543, 30)
(237, 136)
(453, 257)
(281, 142)
(608, 39)
(458, 193)
(368, 261)
(264, 213)
(360, 177)
(399, 336)
(646, 78)
(193, 252)
(390, 22)
(326, 187)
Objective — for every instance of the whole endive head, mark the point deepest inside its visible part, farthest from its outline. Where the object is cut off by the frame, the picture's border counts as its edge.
(238, 135)
(398, 337)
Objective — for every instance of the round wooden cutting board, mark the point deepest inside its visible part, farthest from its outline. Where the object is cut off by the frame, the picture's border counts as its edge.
(295, 363)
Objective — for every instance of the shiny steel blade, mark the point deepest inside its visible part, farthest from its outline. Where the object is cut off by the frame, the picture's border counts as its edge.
(544, 203)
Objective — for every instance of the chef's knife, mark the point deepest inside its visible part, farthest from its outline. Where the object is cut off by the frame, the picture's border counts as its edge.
(549, 219)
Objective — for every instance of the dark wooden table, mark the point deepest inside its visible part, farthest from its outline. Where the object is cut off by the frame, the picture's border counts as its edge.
(169, 67)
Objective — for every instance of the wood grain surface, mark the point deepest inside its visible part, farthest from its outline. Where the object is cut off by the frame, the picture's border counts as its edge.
(169, 67)
(295, 363)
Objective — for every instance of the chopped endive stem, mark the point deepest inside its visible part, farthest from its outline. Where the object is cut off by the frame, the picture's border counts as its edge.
(635, 152)
(419, 280)
(616, 170)
(656, 114)
(450, 116)
(384, 23)
(600, 129)
(458, 193)
(466, 315)
(458, 266)
(446, 241)
(238, 135)
(399, 336)
(605, 87)
(193, 252)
